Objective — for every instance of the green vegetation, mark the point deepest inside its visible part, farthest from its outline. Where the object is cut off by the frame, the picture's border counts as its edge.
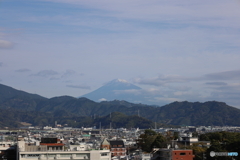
(118, 119)
(222, 142)
(199, 150)
(150, 139)
(18, 106)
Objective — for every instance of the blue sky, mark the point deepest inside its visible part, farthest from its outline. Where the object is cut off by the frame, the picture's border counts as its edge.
(174, 50)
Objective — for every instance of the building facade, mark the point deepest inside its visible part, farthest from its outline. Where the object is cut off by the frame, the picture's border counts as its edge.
(47, 150)
(173, 154)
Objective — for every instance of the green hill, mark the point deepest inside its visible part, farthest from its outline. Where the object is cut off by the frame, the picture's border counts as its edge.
(208, 113)
(19, 106)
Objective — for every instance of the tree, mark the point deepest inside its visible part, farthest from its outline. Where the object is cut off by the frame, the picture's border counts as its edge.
(146, 140)
(159, 142)
(151, 139)
(198, 150)
(222, 142)
(175, 135)
(150, 132)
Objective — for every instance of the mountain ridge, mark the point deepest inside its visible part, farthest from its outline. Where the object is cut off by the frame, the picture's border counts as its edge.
(8, 92)
(45, 111)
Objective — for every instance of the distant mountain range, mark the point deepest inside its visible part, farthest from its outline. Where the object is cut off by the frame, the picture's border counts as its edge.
(19, 106)
(117, 89)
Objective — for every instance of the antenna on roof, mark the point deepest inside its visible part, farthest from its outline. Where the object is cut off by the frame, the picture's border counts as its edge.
(168, 146)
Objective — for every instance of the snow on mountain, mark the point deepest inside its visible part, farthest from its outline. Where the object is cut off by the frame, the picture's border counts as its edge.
(117, 89)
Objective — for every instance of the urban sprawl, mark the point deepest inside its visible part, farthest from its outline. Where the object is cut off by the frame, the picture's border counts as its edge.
(63, 143)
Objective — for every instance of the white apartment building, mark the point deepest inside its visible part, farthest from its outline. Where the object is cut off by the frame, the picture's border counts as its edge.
(39, 152)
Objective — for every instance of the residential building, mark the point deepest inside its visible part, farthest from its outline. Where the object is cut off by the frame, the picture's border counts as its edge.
(172, 154)
(117, 148)
(47, 149)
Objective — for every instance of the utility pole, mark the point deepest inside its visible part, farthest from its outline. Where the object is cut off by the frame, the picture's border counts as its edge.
(17, 150)
(110, 120)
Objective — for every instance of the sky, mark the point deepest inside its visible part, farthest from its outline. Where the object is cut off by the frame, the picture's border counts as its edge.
(174, 50)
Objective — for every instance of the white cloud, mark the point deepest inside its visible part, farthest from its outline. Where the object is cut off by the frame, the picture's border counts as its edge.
(199, 12)
(220, 86)
(166, 99)
(226, 75)
(162, 80)
(68, 73)
(23, 70)
(102, 99)
(5, 44)
(79, 86)
(46, 73)
(216, 83)
(218, 76)
(178, 93)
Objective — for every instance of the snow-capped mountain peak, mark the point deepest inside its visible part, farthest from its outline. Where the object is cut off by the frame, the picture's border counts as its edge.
(121, 80)
(115, 89)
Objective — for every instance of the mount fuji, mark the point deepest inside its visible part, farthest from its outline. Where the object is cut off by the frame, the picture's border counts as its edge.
(117, 89)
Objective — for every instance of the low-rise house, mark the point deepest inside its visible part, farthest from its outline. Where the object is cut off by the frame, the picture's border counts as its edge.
(172, 154)
(105, 144)
(189, 140)
(117, 147)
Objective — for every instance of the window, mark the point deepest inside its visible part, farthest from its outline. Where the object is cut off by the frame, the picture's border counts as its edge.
(104, 154)
(33, 155)
(66, 155)
(182, 153)
(83, 155)
(51, 155)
